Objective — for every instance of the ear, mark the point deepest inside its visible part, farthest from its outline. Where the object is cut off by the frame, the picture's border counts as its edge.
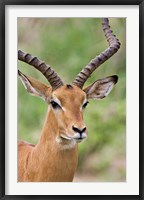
(101, 88)
(35, 87)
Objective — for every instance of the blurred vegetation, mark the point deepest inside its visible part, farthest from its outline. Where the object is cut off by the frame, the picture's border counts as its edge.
(68, 44)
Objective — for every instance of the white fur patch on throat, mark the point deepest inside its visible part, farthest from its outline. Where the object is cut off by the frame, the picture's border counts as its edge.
(70, 144)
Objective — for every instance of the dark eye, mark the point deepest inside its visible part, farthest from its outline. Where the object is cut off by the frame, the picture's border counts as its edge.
(85, 104)
(55, 105)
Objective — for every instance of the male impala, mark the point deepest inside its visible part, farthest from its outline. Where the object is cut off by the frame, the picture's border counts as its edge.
(54, 158)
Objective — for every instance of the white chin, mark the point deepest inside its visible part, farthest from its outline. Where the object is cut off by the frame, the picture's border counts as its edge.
(79, 140)
(68, 145)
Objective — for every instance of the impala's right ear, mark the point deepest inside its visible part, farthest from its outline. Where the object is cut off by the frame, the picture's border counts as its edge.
(35, 87)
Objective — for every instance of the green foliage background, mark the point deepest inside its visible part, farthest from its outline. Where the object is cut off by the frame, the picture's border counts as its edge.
(68, 44)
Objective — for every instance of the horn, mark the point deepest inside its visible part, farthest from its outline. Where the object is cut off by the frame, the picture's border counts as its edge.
(53, 78)
(114, 45)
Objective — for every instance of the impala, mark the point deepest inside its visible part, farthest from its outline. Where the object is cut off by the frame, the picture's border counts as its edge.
(54, 158)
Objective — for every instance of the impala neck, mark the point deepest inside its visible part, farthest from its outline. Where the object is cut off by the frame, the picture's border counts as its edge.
(50, 129)
(57, 163)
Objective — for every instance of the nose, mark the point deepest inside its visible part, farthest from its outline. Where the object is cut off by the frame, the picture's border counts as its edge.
(80, 133)
(78, 130)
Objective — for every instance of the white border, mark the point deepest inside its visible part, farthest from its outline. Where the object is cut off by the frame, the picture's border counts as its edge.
(131, 186)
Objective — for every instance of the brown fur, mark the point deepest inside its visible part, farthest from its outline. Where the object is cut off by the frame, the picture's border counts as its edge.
(48, 161)
(54, 158)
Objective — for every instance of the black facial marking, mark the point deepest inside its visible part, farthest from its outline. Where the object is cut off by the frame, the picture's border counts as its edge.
(69, 86)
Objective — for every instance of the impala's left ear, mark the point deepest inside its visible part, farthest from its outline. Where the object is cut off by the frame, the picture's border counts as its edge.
(101, 88)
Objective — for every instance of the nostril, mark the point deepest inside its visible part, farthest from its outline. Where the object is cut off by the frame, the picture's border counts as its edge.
(77, 130)
(84, 129)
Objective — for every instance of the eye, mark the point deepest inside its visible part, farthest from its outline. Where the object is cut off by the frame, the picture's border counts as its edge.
(84, 105)
(55, 105)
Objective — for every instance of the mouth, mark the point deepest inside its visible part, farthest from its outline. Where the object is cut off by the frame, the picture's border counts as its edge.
(65, 137)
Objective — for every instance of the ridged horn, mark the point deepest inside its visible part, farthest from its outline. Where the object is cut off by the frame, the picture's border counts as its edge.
(114, 45)
(53, 78)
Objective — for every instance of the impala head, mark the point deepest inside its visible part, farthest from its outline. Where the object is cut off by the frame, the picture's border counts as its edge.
(67, 102)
